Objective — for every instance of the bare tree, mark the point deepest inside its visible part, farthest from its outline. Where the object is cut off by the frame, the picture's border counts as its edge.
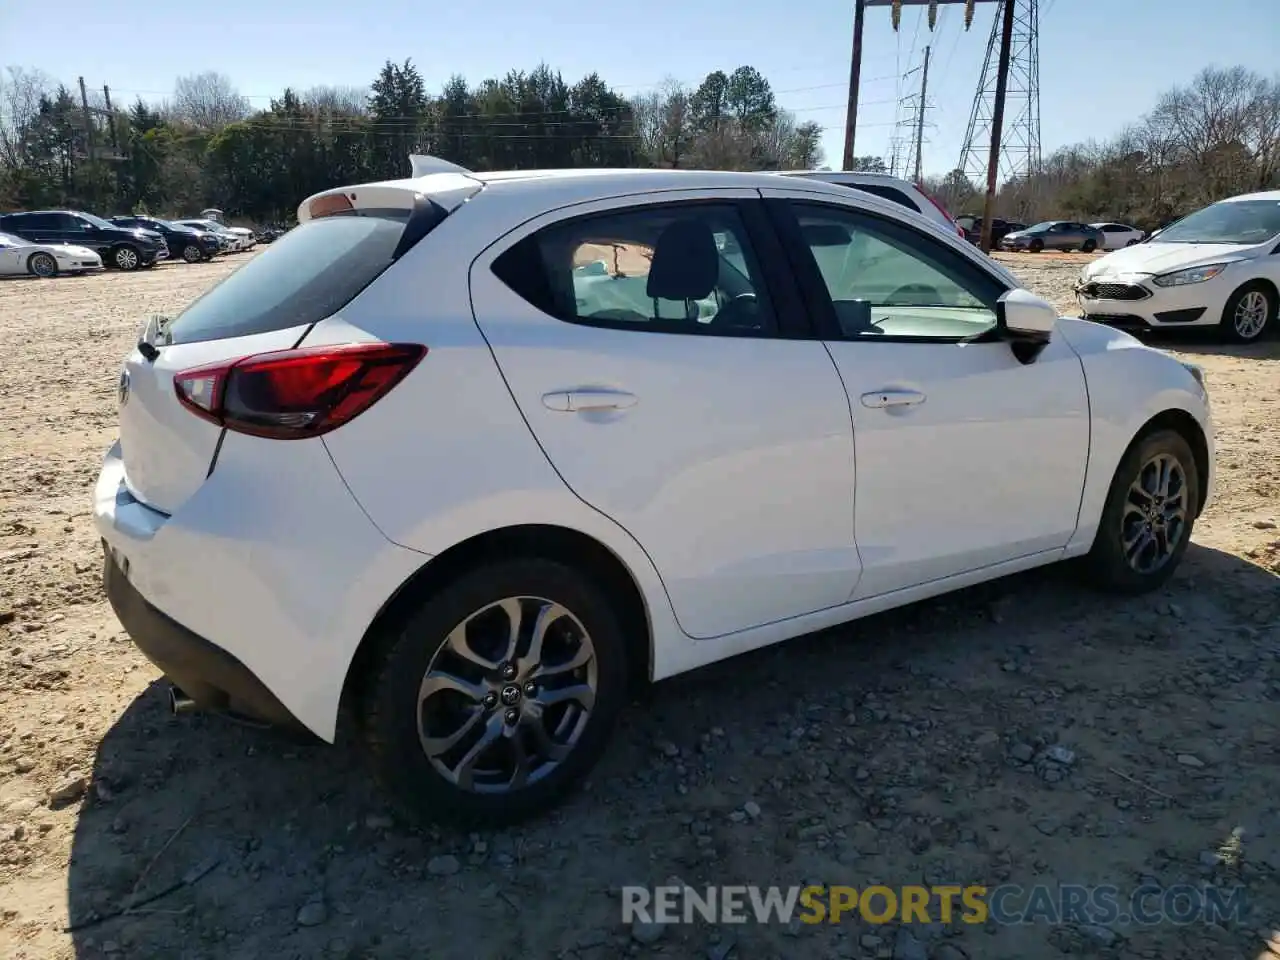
(20, 93)
(346, 101)
(207, 100)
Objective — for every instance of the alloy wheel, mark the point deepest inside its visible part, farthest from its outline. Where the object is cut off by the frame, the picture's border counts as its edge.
(43, 265)
(508, 695)
(1251, 314)
(126, 258)
(1154, 519)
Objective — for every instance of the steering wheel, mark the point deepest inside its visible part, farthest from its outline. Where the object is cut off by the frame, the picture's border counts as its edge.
(916, 294)
(741, 311)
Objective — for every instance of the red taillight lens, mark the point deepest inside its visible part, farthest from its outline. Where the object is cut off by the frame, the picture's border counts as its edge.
(944, 211)
(300, 393)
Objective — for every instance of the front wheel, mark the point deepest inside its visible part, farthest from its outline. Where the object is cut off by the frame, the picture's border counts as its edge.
(1248, 313)
(1036, 246)
(498, 696)
(42, 265)
(1149, 513)
(191, 253)
(1088, 246)
(125, 257)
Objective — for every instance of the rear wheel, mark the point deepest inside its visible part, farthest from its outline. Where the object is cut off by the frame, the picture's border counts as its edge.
(1149, 513)
(125, 257)
(42, 265)
(1248, 313)
(498, 695)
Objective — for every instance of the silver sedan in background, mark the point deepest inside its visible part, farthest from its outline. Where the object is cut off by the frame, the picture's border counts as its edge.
(1055, 235)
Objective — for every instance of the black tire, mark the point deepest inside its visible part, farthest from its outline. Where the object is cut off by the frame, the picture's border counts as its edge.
(1088, 246)
(191, 253)
(389, 709)
(1106, 563)
(41, 264)
(1231, 326)
(1130, 243)
(1035, 246)
(125, 257)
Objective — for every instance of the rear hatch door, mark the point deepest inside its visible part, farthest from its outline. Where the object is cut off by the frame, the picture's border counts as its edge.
(345, 240)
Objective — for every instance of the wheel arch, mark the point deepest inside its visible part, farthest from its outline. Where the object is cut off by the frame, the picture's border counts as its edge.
(1265, 282)
(571, 547)
(1184, 424)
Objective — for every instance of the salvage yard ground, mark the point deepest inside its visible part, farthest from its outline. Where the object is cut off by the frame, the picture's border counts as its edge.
(905, 748)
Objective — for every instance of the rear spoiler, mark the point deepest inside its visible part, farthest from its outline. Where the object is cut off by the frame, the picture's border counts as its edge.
(443, 183)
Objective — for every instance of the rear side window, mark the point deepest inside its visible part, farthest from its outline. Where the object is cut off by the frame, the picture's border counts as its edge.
(886, 193)
(308, 274)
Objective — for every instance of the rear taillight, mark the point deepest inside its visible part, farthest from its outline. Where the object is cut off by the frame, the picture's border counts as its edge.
(945, 212)
(292, 394)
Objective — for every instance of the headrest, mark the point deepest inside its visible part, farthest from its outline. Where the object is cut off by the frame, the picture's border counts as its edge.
(685, 262)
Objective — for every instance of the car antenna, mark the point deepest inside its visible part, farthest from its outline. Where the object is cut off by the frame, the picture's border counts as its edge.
(424, 164)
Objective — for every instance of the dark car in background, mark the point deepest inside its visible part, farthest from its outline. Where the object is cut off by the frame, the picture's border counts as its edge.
(186, 242)
(121, 248)
(1055, 235)
(972, 227)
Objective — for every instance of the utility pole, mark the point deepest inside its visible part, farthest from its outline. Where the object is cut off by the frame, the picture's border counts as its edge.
(88, 118)
(855, 71)
(111, 118)
(997, 122)
(924, 89)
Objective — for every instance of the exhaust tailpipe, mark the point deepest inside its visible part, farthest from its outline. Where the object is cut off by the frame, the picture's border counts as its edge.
(179, 702)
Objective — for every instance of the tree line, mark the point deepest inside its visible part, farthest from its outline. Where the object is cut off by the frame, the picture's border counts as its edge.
(205, 146)
(1216, 137)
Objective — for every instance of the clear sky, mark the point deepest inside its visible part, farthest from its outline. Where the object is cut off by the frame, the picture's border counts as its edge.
(1102, 62)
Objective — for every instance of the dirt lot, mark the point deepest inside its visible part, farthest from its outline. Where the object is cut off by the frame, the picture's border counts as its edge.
(909, 747)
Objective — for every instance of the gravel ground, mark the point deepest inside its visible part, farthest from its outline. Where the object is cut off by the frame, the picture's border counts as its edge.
(911, 747)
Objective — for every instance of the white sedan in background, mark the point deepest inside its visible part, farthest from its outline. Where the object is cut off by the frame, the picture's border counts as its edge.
(20, 257)
(1218, 267)
(543, 478)
(1116, 236)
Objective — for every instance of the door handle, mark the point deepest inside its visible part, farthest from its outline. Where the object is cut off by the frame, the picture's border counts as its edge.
(892, 398)
(581, 401)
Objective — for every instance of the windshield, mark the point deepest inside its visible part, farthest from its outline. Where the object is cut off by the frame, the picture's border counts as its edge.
(97, 221)
(1231, 221)
(1039, 227)
(9, 240)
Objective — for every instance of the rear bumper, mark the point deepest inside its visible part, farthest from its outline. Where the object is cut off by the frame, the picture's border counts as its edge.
(206, 673)
(265, 579)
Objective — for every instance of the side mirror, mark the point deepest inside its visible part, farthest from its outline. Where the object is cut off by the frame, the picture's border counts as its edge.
(1026, 322)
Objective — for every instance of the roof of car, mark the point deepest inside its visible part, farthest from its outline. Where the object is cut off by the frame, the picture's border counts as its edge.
(1263, 195)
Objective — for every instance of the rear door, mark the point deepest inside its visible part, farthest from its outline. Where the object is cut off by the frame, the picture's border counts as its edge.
(664, 363)
(268, 304)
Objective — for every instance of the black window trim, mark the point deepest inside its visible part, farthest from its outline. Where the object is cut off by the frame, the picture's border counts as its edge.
(887, 192)
(814, 289)
(793, 320)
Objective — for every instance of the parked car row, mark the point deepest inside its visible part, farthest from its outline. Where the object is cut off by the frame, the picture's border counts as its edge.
(45, 243)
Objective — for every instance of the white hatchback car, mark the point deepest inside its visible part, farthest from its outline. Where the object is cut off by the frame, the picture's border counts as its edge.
(470, 453)
(1218, 267)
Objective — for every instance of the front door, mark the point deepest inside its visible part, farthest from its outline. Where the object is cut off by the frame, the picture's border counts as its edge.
(680, 393)
(966, 456)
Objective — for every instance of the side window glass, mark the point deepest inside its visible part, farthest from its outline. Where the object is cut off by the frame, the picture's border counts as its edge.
(669, 269)
(886, 279)
(888, 193)
(67, 222)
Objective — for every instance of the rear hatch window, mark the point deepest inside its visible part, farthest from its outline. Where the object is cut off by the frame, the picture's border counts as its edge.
(305, 276)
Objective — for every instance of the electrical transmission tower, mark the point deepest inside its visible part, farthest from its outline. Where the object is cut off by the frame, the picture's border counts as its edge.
(1020, 139)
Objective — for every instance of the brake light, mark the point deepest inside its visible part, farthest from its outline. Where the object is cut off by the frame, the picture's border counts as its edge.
(292, 394)
(945, 212)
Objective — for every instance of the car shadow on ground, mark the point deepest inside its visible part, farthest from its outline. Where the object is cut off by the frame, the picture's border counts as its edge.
(1208, 341)
(219, 840)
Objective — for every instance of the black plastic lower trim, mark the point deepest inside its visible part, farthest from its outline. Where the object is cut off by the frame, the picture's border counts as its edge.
(1189, 315)
(206, 673)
